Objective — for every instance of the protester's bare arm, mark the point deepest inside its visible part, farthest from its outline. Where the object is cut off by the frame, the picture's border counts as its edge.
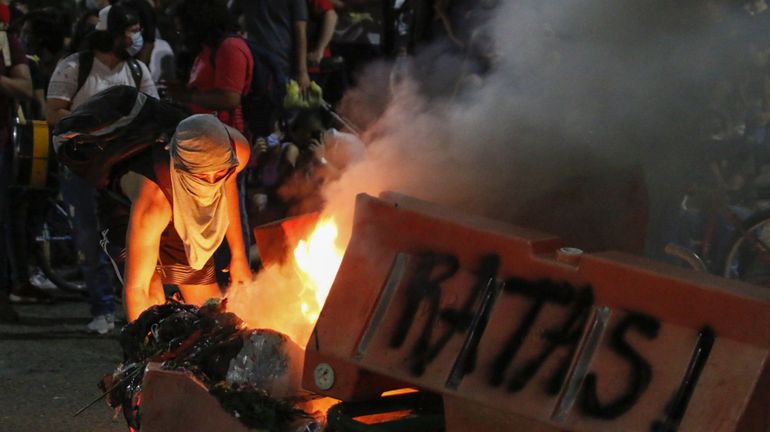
(56, 109)
(300, 42)
(18, 83)
(240, 272)
(150, 214)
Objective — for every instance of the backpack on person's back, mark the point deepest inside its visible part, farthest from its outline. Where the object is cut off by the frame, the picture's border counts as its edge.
(268, 87)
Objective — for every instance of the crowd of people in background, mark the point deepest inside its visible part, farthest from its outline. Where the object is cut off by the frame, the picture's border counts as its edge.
(228, 58)
(208, 56)
(737, 105)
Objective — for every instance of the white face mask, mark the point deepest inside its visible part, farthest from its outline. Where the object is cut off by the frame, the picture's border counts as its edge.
(201, 144)
(137, 42)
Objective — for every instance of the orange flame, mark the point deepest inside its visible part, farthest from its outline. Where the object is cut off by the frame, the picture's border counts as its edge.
(289, 297)
(318, 259)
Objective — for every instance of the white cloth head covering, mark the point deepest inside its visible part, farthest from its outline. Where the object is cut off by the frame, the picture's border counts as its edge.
(201, 145)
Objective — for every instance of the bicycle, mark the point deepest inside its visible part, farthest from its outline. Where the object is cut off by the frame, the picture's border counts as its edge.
(733, 240)
(43, 227)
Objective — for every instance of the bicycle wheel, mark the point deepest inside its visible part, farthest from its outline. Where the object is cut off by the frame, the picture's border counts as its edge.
(748, 257)
(55, 249)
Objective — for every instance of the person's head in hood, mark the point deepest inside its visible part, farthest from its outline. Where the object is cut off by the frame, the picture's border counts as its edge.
(202, 159)
(42, 33)
(202, 22)
(117, 31)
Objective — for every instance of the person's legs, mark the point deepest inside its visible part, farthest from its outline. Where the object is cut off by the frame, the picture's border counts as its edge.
(198, 294)
(6, 311)
(24, 210)
(81, 201)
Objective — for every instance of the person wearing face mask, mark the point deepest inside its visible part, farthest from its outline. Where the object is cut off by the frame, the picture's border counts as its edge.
(184, 203)
(112, 45)
(108, 62)
(147, 20)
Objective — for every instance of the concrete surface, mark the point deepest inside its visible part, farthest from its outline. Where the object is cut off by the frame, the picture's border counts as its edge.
(49, 369)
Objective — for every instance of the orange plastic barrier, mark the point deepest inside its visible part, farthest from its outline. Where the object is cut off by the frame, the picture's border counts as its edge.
(519, 333)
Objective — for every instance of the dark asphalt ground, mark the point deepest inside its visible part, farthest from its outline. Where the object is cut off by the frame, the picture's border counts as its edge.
(49, 369)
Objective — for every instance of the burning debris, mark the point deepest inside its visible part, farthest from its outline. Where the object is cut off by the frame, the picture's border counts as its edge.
(253, 373)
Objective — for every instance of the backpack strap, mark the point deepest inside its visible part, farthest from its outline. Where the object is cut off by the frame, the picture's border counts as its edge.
(85, 63)
(136, 71)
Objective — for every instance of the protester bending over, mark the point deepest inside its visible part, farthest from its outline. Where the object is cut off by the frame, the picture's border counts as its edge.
(183, 205)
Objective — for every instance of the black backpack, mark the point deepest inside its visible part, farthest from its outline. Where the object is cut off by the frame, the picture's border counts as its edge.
(100, 138)
(86, 63)
(267, 89)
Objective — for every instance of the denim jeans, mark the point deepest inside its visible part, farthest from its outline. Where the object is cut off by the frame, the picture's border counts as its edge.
(80, 198)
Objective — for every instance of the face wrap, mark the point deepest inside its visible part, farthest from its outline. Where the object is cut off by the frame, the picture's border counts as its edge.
(201, 145)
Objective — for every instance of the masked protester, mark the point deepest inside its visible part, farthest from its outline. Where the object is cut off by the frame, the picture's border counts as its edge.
(108, 62)
(184, 205)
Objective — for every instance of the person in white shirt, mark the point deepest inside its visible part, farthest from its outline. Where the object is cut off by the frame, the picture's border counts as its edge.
(162, 62)
(109, 62)
(116, 39)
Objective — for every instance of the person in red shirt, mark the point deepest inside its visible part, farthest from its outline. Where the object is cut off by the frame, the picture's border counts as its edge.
(221, 72)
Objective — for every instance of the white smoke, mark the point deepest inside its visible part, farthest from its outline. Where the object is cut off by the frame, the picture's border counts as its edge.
(578, 88)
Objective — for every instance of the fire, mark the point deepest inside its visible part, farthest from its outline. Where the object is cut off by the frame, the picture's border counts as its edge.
(318, 258)
(288, 297)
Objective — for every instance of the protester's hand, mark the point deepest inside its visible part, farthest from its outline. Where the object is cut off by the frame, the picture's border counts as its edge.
(314, 57)
(240, 273)
(303, 80)
(260, 146)
(319, 150)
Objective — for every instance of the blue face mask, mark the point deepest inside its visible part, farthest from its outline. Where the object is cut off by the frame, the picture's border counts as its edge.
(137, 41)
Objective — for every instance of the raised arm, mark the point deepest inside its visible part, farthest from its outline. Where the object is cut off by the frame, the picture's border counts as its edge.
(300, 42)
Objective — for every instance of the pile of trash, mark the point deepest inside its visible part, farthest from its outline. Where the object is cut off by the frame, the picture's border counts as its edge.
(253, 373)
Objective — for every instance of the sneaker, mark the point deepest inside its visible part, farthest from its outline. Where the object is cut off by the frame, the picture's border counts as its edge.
(40, 280)
(101, 324)
(28, 293)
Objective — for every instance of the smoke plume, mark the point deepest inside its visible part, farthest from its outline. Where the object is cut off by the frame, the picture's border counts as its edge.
(584, 99)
